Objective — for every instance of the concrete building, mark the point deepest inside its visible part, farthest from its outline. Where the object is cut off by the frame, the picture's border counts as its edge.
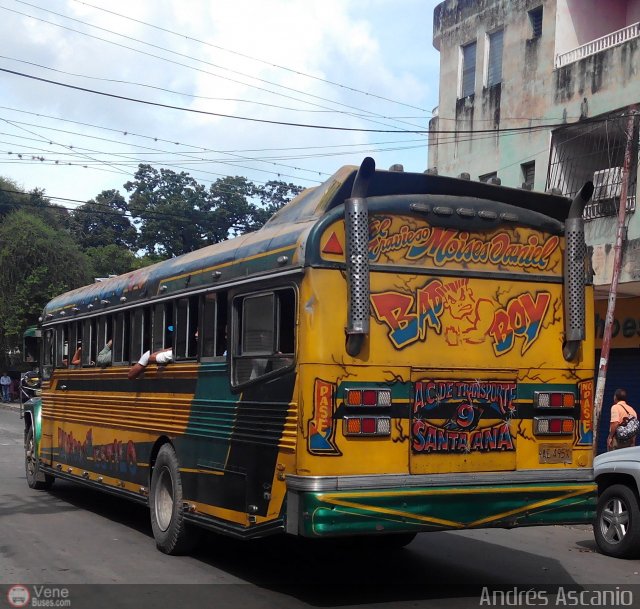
(537, 94)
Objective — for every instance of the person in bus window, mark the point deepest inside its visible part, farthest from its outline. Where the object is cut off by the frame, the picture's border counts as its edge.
(162, 358)
(104, 357)
(619, 412)
(76, 360)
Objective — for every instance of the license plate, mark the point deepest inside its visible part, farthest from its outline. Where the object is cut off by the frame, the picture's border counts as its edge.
(555, 453)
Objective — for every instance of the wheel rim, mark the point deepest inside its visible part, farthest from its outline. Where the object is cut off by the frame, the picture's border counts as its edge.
(164, 499)
(30, 458)
(614, 521)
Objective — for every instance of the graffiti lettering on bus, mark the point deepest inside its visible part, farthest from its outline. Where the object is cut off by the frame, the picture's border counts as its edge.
(465, 318)
(444, 245)
(118, 456)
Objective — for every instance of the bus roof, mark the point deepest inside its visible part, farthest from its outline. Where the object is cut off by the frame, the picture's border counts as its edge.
(279, 245)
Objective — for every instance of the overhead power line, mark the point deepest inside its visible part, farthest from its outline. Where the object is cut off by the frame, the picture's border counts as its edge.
(207, 113)
(369, 118)
(283, 123)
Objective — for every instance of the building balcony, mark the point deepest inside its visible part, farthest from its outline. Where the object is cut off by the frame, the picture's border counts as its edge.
(598, 45)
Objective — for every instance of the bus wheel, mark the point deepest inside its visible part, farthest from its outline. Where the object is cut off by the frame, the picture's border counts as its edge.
(171, 532)
(35, 479)
(617, 525)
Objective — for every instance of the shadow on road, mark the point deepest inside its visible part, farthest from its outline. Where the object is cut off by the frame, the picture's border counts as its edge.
(435, 566)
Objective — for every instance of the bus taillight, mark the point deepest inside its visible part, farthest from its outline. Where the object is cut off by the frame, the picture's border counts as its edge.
(367, 397)
(366, 426)
(553, 426)
(554, 399)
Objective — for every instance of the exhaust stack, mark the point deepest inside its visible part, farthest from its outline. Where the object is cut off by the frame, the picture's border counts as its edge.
(356, 221)
(574, 269)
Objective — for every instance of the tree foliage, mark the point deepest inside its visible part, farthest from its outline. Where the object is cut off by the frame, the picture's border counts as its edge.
(103, 221)
(37, 262)
(175, 214)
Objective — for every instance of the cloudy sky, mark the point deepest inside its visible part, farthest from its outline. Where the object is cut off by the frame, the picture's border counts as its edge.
(243, 77)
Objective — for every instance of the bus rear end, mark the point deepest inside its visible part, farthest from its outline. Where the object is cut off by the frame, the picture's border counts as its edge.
(469, 401)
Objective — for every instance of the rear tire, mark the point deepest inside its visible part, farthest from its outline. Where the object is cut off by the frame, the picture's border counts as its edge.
(35, 478)
(617, 525)
(172, 534)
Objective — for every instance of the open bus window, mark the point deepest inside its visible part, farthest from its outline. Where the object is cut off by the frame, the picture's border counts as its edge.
(104, 341)
(162, 326)
(265, 337)
(62, 347)
(186, 340)
(140, 332)
(120, 345)
(213, 328)
(88, 357)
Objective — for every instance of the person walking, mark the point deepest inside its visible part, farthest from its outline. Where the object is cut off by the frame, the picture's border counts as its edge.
(5, 384)
(621, 412)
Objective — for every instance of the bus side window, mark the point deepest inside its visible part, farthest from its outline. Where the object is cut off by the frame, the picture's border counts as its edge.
(186, 326)
(265, 336)
(162, 333)
(213, 327)
(89, 342)
(62, 346)
(120, 347)
(140, 332)
(207, 332)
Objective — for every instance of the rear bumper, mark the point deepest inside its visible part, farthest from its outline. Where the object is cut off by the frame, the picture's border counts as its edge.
(329, 507)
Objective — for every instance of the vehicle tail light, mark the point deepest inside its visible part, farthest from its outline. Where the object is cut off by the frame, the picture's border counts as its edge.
(554, 399)
(550, 426)
(367, 397)
(367, 426)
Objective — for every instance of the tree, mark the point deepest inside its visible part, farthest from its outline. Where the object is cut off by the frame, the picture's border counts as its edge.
(274, 195)
(176, 214)
(38, 261)
(112, 259)
(170, 209)
(102, 221)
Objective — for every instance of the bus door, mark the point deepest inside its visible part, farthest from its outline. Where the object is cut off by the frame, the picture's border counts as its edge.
(462, 422)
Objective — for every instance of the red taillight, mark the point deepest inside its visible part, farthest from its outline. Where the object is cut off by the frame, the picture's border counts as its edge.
(554, 399)
(366, 426)
(367, 397)
(545, 426)
(370, 397)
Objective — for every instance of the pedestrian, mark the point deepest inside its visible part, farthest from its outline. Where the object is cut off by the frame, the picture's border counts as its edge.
(5, 384)
(621, 415)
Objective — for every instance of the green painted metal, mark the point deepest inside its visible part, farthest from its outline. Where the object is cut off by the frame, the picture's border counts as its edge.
(446, 508)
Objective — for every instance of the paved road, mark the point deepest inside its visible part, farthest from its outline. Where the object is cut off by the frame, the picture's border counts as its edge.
(71, 536)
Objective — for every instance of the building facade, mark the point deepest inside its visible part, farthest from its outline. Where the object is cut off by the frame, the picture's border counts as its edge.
(537, 94)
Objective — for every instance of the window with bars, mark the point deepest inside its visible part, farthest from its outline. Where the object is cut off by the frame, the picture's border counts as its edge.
(494, 62)
(468, 71)
(535, 17)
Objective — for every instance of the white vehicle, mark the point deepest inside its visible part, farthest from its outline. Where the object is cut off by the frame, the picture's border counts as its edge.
(617, 525)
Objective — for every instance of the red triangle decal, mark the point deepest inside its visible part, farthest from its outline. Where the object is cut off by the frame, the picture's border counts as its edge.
(333, 246)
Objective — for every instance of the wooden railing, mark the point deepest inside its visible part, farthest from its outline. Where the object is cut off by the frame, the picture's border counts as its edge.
(598, 45)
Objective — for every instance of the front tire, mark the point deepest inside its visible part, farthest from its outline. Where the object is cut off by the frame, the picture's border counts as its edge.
(617, 525)
(171, 532)
(35, 478)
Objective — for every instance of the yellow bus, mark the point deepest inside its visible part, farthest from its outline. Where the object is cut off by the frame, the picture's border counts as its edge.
(392, 353)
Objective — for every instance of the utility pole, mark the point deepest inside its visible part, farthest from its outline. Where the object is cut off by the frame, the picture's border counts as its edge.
(617, 264)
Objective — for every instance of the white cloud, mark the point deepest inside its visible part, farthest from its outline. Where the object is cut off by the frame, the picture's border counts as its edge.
(379, 46)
